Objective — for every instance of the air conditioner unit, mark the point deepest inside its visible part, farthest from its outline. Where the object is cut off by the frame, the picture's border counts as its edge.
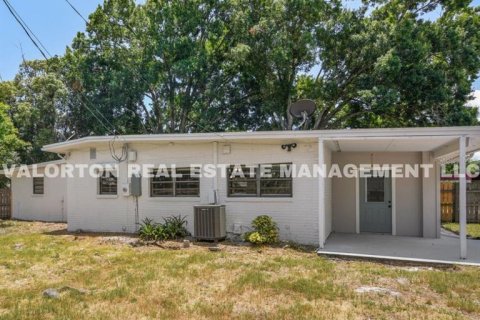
(209, 222)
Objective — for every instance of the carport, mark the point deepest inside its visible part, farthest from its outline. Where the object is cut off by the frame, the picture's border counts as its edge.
(412, 205)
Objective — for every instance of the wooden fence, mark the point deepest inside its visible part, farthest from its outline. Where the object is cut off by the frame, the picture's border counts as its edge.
(449, 202)
(5, 203)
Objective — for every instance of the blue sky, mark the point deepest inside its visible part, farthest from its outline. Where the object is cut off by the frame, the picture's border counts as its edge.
(55, 24)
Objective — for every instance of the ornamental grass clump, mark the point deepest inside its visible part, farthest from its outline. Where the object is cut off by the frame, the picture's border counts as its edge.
(265, 231)
(173, 227)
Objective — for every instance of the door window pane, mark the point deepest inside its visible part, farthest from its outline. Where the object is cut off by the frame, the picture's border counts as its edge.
(375, 189)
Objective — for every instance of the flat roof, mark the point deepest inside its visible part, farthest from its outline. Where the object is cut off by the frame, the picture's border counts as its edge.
(341, 134)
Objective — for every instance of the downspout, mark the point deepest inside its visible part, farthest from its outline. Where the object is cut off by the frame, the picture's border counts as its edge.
(321, 196)
(215, 178)
(463, 197)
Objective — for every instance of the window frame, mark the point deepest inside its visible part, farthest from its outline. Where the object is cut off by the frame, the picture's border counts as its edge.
(36, 179)
(173, 181)
(100, 192)
(258, 184)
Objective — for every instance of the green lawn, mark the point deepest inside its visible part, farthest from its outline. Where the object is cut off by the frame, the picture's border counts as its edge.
(118, 281)
(473, 229)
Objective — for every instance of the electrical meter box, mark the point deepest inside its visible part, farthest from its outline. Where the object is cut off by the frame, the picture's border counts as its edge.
(136, 186)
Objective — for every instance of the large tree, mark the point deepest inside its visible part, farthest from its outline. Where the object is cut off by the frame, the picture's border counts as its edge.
(10, 143)
(382, 65)
(203, 65)
(37, 100)
(179, 66)
(157, 67)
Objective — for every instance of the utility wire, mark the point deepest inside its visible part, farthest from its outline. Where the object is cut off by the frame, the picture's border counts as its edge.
(85, 104)
(12, 11)
(31, 35)
(28, 28)
(78, 12)
(39, 45)
(141, 77)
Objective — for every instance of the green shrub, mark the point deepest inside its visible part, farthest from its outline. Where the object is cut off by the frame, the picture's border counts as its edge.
(148, 230)
(265, 231)
(173, 227)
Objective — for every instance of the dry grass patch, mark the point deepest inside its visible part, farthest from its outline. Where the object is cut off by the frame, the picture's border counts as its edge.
(121, 281)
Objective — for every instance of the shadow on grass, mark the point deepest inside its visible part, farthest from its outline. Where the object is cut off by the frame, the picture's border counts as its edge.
(177, 243)
(65, 232)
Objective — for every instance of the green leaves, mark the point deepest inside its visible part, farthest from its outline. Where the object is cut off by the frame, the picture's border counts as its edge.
(265, 231)
(10, 143)
(237, 65)
(173, 227)
(202, 65)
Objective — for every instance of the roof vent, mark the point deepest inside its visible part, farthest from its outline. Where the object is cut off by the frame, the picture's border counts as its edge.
(93, 153)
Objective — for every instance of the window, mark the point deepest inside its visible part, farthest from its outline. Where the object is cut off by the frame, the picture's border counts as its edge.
(375, 189)
(107, 183)
(245, 185)
(38, 185)
(179, 184)
(268, 181)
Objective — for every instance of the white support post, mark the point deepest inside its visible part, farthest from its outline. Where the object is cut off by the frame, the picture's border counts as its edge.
(357, 201)
(462, 198)
(321, 196)
(438, 206)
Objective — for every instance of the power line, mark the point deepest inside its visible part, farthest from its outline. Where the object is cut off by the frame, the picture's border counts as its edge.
(109, 130)
(31, 36)
(26, 29)
(30, 30)
(140, 75)
(78, 12)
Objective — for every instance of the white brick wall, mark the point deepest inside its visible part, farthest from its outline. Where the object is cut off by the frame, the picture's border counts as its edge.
(297, 217)
(47, 207)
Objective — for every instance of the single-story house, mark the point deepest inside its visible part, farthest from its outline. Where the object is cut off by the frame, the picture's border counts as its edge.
(307, 207)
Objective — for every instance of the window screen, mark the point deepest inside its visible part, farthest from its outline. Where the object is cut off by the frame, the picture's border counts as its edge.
(163, 185)
(277, 184)
(38, 185)
(107, 183)
(244, 183)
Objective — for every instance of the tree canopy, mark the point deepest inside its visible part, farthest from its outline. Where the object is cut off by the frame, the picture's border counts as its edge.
(169, 66)
(11, 144)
